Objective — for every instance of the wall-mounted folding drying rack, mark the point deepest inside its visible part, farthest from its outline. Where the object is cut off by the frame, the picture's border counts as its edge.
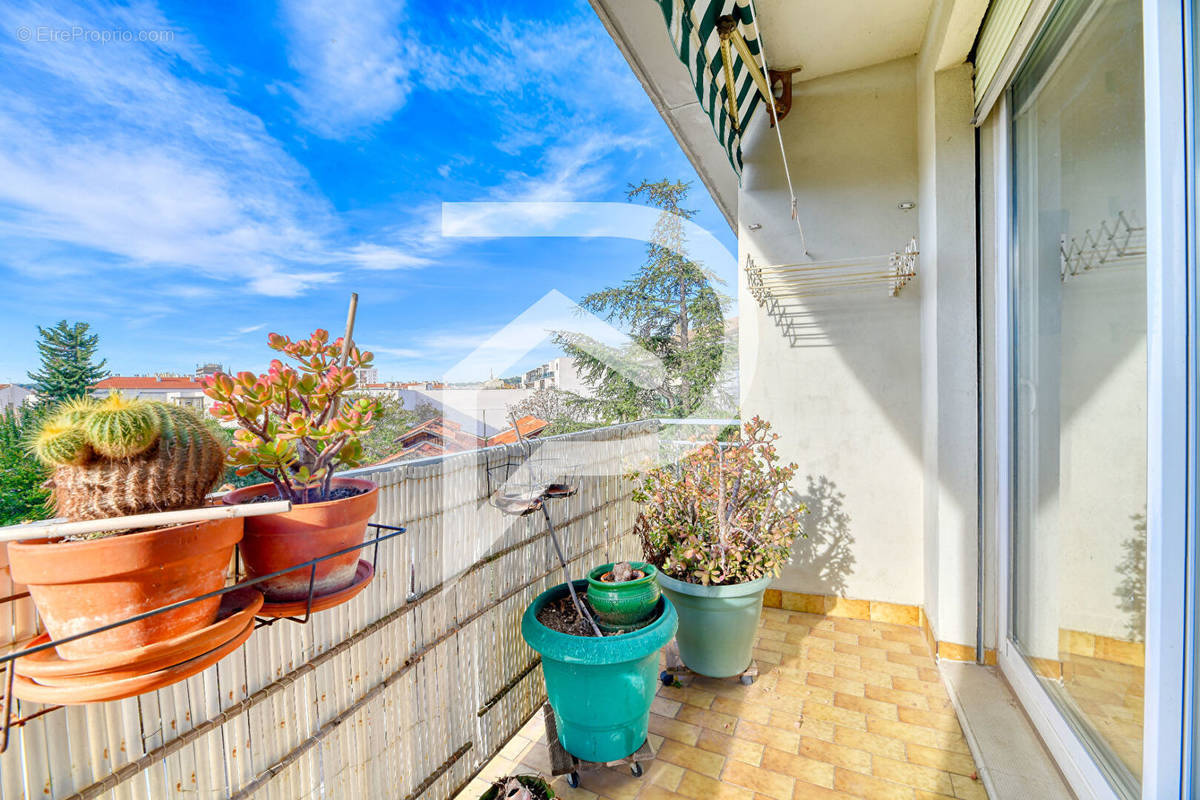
(769, 284)
(1116, 243)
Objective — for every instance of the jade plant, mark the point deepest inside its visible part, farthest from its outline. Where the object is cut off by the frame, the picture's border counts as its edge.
(724, 514)
(123, 455)
(296, 426)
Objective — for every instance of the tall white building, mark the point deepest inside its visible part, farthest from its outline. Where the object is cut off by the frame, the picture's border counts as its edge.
(559, 373)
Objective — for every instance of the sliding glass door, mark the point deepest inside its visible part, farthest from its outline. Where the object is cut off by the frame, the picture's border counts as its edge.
(1077, 586)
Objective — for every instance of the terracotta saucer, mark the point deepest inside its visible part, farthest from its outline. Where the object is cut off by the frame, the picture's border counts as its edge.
(237, 610)
(295, 608)
(101, 690)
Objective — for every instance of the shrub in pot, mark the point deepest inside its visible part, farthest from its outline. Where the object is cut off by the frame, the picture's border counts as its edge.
(113, 458)
(518, 787)
(296, 428)
(719, 525)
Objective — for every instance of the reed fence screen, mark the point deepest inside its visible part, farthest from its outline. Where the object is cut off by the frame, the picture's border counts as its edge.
(403, 692)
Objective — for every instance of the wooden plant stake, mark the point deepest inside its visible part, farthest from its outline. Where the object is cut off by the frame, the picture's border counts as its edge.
(580, 608)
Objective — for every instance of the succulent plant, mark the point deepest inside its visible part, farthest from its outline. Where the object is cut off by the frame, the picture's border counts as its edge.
(60, 442)
(724, 514)
(121, 427)
(74, 411)
(295, 424)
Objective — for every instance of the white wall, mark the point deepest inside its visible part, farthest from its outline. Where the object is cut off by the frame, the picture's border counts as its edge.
(946, 155)
(844, 391)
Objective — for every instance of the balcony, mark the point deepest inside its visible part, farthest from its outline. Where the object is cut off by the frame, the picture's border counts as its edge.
(421, 686)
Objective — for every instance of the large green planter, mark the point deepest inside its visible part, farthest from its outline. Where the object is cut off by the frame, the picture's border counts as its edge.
(622, 606)
(717, 624)
(600, 688)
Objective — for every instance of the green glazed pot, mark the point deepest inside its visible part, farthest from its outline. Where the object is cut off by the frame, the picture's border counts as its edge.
(717, 624)
(600, 688)
(622, 605)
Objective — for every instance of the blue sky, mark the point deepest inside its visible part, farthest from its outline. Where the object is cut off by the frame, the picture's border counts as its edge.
(260, 161)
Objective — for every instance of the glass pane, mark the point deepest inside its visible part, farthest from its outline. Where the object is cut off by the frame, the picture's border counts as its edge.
(1080, 379)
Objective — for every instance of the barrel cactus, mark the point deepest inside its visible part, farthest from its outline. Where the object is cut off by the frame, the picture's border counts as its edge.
(125, 456)
(121, 428)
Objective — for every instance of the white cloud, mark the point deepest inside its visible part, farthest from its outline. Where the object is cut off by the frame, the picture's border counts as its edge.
(398, 352)
(354, 64)
(380, 257)
(104, 147)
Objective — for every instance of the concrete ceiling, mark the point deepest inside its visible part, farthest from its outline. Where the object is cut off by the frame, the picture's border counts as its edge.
(830, 36)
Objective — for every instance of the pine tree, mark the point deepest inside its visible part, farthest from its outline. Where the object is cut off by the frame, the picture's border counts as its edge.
(670, 309)
(68, 369)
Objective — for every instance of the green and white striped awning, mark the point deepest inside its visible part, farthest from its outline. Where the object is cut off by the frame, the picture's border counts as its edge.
(694, 32)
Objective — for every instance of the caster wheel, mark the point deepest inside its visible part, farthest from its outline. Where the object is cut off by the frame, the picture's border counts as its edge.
(666, 678)
(573, 780)
(747, 680)
(636, 769)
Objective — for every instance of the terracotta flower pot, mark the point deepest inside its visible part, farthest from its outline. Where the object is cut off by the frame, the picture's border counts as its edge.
(78, 586)
(277, 541)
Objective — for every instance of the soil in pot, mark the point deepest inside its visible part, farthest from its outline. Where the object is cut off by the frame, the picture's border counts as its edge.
(560, 615)
(275, 542)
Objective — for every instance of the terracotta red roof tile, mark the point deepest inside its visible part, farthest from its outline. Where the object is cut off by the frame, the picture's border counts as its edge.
(529, 426)
(147, 382)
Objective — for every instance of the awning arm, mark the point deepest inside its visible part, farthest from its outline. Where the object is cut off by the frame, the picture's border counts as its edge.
(728, 28)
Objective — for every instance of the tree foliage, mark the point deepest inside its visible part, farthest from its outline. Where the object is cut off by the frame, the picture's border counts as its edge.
(671, 311)
(393, 420)
(555, 406)
(21, 476)
(69, 369)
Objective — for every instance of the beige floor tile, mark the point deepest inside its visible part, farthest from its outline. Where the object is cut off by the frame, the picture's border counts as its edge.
(730, 747)
(852, 709)
(915, 775)
(700, 761)
(759, 779)
(703, 787)
(968, 789)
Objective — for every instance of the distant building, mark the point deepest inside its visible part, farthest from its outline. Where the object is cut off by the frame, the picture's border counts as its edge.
(182, 391)
(205, 370)
(13, 397)
(367, 375)
(558, 373)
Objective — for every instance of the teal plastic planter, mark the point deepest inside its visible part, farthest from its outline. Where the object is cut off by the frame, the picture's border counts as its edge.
(717, 624)
(600, 688)
(623, 605)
